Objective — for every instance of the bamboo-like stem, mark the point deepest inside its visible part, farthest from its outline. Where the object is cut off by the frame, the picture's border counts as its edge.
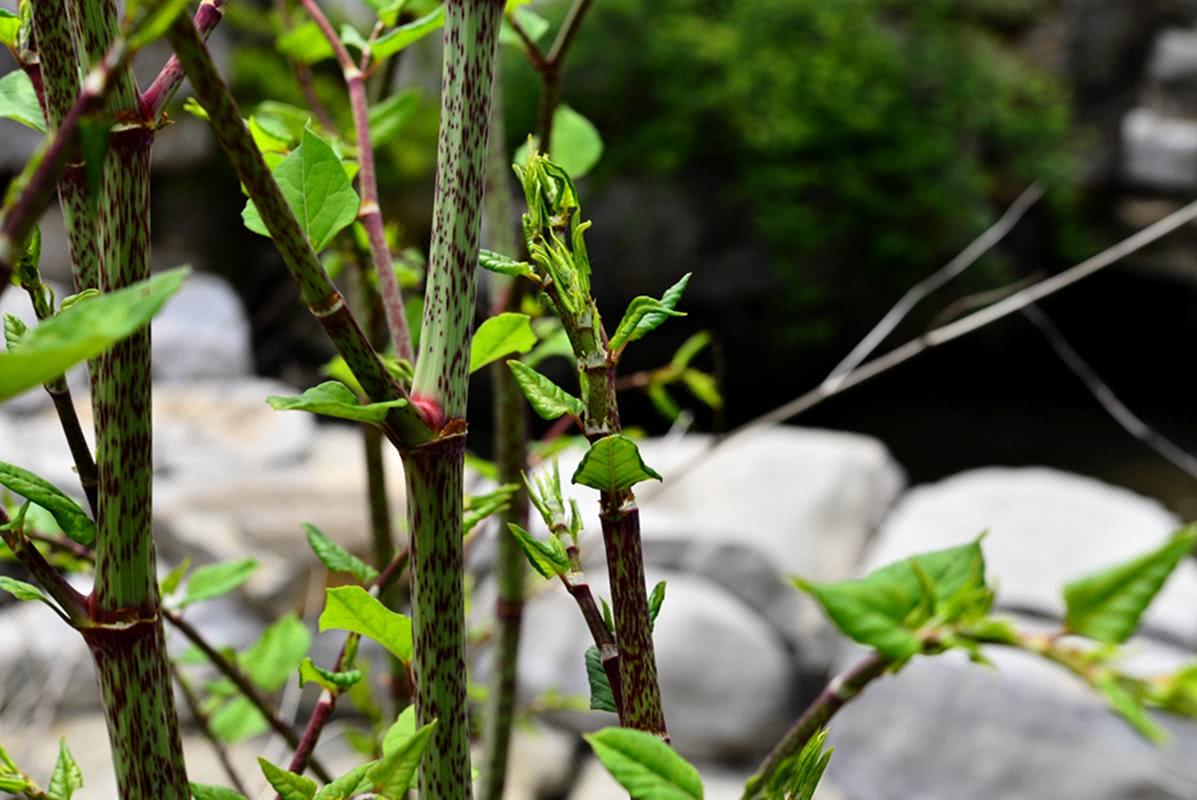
(159, 93)
(125, 633)
(369, 213)
(839, 691)
(38, 178)
(205, 725)
(441, 375)
(434, 476)
(403, 425)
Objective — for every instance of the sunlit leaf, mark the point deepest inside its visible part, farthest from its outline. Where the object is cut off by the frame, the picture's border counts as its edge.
(66, 512)
(645, 766)
(337, 558)
(613, 463)
(214, 580)
(547, 399)
(352, 608)
(501, 335)
(335, 399)
(18, 100)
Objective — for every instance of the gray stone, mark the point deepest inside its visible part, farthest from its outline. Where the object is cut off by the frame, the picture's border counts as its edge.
(944, 729)
(259, 512)
(540, 763)
(726, 679)
(1159, 152)
(45, 667)
(1045, 528)
(1174, 56)
(202, 333)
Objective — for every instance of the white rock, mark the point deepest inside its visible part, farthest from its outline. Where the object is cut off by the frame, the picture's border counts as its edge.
(202, 332)
(44, 665)
(1159, 152)
(1174, 55)
(944, 729)
(726, 678)
(1045, 528)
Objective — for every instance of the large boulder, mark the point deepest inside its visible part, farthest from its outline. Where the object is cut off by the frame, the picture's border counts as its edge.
(944, 729)
(726, 679)
(202, 333)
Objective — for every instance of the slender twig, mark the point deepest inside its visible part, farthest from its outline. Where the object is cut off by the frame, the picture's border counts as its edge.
(62, 543)
(243, 684)
(303, 74)
(550, 67)
(1101, 391)
(38, 179)
(369, 213)
(72, 603)
(579, 589)
(205, 726)
(404, 425)
(839, 691)
(159, 93)
(1011, 304)
(530, 47)
(305, 748)
(965, 259)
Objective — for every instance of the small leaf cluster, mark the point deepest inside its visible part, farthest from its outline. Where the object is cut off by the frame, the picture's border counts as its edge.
(65, 780)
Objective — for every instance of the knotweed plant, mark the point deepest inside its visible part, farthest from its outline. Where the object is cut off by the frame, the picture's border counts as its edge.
(298, 172)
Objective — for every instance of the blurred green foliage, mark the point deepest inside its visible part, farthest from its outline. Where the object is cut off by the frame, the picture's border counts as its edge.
(863, 141)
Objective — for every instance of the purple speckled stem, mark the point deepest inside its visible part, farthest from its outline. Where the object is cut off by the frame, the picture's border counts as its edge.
(370, 213)
(159, 93)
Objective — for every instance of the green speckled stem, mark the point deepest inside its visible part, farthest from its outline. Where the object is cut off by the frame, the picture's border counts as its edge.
(442, 368)
(125, 636)
(434, 475)
(140, 710)
(403, 426)
(57, 57)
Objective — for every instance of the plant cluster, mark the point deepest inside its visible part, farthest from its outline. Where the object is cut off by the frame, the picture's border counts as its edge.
(402, 375)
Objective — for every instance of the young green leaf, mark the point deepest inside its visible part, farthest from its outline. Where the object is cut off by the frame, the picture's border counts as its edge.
(401, 730)
(548, 558)
(501, 335)
(611, 464)
(18, 101)
(288, 785)
(395, 40)
(204, 791)
(392, 776)
(352, 608)
(214, 580)
(703, 386)
(797, 777)
(601, 696)
(10, 26)
(335, 399)
(1131, 709)
(14, 330)
(277, 653)
(310, 671)
(646, 314)
(238, 720)
(305, 43)
(577, 145)
(22, 590)
(663, 401)
(351, 784)
(151, 21)
(547, 399)
(387, 118)
(496, 262)
(66, 512)
(317, 189)
(479, 507)
(173, 578)
(689, 349)
(337, 558)
(655, 601)
(644, 765)
(67, 777)
(887, 608)
(86, 330)
(1106, 606)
